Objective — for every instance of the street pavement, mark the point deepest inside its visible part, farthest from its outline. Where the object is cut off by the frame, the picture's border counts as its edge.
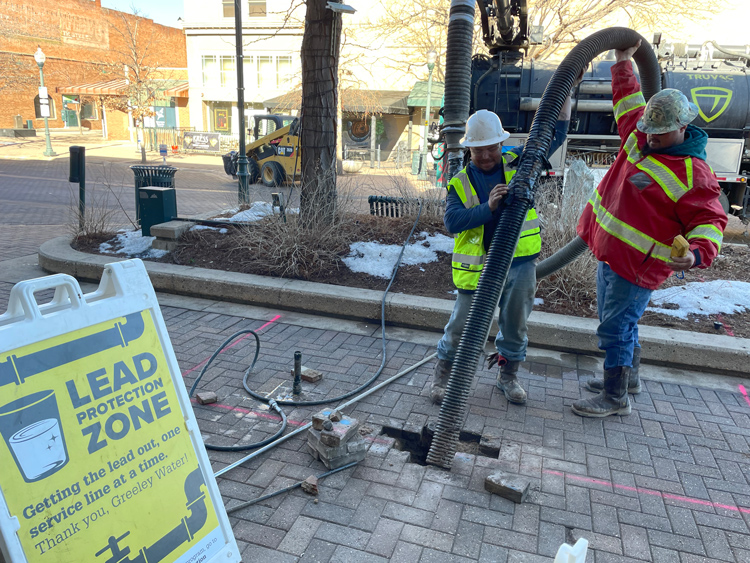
(669, 483)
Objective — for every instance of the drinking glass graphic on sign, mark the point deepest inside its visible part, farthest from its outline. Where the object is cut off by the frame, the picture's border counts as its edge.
(31, 428)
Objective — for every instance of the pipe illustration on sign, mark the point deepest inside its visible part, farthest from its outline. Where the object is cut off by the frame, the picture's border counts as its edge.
(16, 370)
(184, 531)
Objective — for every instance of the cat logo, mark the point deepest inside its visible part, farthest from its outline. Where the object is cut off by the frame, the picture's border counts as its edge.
(713, 96)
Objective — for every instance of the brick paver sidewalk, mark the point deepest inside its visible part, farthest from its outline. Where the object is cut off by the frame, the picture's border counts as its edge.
(668, 483)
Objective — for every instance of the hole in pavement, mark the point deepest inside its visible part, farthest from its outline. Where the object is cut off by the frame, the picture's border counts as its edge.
(418, 443)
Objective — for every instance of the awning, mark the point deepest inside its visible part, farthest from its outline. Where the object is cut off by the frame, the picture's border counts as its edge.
(108, 88)
(178, 90)
(418, 95)
(173, 88)
(392, 102)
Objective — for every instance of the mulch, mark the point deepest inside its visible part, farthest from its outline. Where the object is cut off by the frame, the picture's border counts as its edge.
(210, 249)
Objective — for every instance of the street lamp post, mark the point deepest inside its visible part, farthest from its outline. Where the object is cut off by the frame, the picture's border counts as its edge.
(431, 58)
(243, 195)
(40, 58)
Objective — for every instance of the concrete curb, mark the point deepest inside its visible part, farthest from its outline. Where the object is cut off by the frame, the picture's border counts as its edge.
(662, 346)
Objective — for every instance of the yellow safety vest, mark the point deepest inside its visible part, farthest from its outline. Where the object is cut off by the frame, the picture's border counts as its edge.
(468, 246)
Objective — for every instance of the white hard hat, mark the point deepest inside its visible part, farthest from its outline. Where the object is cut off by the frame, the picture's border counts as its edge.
(483, 128)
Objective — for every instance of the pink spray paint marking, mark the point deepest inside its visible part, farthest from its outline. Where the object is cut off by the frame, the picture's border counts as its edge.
(258, 414)
(274, 417)
(744, 394)
(667, 496)
(727, 328)
(232, 345)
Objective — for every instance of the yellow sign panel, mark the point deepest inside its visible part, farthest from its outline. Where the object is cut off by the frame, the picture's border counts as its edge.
(97, 461)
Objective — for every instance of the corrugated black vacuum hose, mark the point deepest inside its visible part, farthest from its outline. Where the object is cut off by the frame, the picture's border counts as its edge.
(518, 202)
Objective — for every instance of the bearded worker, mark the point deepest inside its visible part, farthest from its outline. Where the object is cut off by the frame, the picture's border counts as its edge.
(659, 187)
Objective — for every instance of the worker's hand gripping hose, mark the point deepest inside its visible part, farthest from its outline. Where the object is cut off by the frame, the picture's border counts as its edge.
(520, 200)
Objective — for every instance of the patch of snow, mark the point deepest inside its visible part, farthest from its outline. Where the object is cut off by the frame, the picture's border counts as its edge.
(257, 210)
(702, 298)
(133, 244)
(378, 259)
(538, 301)
(207, 228)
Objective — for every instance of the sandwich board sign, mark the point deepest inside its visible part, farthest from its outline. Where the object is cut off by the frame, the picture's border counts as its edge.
(101, 457)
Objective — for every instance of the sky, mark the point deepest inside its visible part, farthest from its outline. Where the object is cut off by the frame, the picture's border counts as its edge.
(728, 27)
(164, 12)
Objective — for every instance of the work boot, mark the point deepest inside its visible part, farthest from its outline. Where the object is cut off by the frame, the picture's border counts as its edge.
(440, 380)
(634, 380)
(613, 398)
(507, 382)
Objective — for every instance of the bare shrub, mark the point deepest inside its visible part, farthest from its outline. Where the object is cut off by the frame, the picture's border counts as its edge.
(573, 288)
(104, 211)
(291, 248)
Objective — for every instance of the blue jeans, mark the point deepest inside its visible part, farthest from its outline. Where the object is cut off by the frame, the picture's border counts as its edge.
(516, 303)
(620, 305)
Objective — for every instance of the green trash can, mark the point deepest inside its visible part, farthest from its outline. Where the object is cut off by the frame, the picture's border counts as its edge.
(161, 176)
(157, 205)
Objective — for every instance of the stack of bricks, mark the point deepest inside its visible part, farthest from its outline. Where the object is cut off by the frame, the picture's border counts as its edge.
(334, 439)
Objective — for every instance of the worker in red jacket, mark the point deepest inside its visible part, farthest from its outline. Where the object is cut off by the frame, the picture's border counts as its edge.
(658, 187)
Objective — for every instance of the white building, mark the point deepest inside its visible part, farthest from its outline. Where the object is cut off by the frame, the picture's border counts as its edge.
(272, 41)
(271, 58)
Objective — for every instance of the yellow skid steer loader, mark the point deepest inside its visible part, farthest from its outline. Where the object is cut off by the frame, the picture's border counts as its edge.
(273, 157)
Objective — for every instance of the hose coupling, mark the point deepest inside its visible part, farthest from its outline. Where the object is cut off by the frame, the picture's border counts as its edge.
(274, 405)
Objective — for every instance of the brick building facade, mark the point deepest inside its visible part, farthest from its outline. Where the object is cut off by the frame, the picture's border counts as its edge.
(80, 40)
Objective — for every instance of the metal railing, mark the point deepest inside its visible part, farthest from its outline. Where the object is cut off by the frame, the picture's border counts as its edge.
(170, 136)
(387, 206)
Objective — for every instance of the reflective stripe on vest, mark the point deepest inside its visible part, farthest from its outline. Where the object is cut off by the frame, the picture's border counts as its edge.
(464, 190)
(709, 232)
(660, 173)
(627, 234)
(628, 103)
(468, 247)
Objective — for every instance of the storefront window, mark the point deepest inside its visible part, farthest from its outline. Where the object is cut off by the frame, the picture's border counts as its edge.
(283, 71)
(88, 111)
(221, 120)
(266, 72)
(257, 8)
(248, 71)
(228, 71)
(210, 70)
(228, 8)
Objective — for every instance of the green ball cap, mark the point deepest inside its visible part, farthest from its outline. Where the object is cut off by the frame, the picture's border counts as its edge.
(667, 111)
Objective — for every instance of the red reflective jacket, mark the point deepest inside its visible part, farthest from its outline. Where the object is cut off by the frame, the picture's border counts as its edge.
(645, 201)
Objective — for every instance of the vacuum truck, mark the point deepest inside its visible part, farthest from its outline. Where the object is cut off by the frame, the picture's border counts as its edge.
(715, 78)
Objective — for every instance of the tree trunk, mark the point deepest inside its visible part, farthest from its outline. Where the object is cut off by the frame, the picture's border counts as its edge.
(320, 59)
(143, 142)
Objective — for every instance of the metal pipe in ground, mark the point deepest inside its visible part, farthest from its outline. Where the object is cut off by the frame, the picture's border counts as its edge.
(297, 387)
